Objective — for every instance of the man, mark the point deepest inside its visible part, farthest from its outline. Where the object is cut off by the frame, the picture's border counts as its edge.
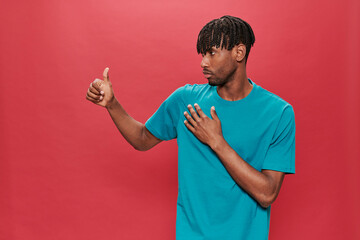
(236, 140)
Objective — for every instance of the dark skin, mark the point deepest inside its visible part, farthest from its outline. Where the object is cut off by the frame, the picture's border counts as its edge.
(225, 69)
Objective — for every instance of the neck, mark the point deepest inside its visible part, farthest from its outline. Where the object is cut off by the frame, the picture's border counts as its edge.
(236, 88)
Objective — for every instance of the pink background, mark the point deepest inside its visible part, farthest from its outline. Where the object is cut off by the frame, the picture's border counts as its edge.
(67, 173)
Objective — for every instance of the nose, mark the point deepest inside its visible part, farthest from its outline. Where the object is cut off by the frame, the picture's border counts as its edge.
(204, 62)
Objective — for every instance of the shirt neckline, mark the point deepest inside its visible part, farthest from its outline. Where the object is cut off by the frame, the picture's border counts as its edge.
(240, 101)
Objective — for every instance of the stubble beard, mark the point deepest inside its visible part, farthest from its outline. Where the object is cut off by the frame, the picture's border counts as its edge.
(222, 81)
(215, 83)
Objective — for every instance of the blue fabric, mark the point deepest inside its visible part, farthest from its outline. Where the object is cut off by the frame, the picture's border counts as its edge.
(259, 127)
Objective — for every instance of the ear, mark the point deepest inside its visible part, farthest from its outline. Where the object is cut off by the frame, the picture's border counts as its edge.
(240, 52)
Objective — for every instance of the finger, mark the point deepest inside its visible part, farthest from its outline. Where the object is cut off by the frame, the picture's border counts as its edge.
(190, 119)
(92, 99)
(193, 113)
(93, 90)
(213, 113)
(199, 110)
(106, 74)
(97, 83)
(188, 125)
(95, 96)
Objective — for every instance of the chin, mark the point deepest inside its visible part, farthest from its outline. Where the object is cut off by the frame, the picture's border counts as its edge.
(215, 83)
(212, 83)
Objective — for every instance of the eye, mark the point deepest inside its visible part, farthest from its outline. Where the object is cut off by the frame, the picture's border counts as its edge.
(212, 53)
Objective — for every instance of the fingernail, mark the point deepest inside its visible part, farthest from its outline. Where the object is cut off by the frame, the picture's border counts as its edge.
(213, 108)
(102, 92)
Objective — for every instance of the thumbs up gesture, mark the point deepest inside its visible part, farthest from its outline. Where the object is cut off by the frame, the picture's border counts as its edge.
(100, 91)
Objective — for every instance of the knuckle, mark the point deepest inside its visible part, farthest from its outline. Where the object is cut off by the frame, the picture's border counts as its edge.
(96, 82)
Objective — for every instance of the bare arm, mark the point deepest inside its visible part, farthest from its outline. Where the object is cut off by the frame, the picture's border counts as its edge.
(101, 93)
(263, 186)
(133, 131)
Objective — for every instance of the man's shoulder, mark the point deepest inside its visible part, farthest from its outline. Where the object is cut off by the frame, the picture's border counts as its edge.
(273, 105)
(194, 87)
(267, 97)
(274, 109)
(188, 89)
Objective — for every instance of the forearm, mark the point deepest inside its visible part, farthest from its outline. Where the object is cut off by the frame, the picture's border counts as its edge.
(129, 128)
(255, 183)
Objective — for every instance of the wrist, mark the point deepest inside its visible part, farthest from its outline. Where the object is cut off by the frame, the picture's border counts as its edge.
(111, 103)
(218, 144)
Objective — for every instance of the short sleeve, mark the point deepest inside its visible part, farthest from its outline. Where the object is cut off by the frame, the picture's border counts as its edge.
(162, 124)
(280, 155)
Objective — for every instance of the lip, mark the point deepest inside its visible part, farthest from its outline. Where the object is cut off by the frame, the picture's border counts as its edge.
(207, 74)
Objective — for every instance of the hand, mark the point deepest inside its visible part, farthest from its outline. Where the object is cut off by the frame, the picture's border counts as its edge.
(207, 130)
(100, 91)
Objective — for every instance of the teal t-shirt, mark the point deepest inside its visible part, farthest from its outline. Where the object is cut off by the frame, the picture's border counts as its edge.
(259, 127)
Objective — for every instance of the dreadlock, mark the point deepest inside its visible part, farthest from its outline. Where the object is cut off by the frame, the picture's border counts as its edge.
(225, 32)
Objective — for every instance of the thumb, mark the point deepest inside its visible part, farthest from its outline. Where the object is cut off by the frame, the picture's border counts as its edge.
(106, 75)
(213, 113)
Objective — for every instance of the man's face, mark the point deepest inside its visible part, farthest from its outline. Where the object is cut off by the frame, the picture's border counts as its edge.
(219, 65)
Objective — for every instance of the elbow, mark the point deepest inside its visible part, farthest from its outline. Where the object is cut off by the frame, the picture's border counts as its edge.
(267, 200)
(141, 148)
(140, 144)
(264, 204)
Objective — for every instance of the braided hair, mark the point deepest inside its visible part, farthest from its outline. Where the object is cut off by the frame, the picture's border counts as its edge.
(225, 32)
